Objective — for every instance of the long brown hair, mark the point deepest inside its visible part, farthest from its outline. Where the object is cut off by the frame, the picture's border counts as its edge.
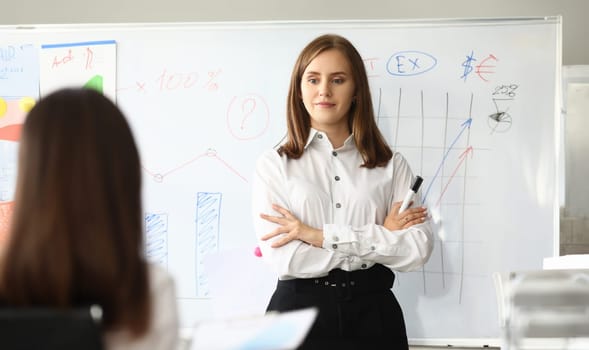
(76, 235)
(361, 122)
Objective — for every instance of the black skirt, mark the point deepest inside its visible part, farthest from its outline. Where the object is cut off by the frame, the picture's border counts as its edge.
(357, 310)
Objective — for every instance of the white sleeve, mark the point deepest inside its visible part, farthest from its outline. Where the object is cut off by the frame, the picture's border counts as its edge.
(165, 320)
(163, 330)
(296, 259)
(402, 250)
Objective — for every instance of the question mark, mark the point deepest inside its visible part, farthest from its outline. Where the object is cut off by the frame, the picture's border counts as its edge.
(248, 112)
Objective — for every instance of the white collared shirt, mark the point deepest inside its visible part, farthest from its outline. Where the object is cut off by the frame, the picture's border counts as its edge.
(327, 189)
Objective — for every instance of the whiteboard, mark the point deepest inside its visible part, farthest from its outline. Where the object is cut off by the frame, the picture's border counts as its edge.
(470, 103)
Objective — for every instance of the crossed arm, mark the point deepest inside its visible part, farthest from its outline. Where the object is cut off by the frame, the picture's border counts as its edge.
(294, 229)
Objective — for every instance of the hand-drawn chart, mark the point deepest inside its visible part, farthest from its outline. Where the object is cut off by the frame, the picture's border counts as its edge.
(470, 104)
(208, 218)
(90, 64)
(156, 238)
(19, 77)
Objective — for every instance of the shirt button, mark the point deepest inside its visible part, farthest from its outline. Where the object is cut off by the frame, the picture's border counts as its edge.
(335, 238)
(363, 266)
(334, 246)
(373, 248)
(338, 205)
(334, 153)
(319, 136)
(337, 178)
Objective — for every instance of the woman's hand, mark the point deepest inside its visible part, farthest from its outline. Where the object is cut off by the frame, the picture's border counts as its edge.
(411, 216)
(292, 227)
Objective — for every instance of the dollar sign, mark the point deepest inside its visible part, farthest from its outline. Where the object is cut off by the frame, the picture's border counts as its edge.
(467, 65)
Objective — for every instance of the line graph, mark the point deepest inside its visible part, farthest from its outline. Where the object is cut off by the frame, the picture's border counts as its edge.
(209, 153)
(462, 159)
(465, 126)
(447, 169)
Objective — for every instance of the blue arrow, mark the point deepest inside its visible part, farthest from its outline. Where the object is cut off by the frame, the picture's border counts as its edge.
(465, 125)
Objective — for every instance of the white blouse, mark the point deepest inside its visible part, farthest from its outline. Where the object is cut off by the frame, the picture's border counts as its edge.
(163, 330)
(327, 189)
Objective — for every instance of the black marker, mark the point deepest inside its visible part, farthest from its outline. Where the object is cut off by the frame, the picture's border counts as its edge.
(412, 191)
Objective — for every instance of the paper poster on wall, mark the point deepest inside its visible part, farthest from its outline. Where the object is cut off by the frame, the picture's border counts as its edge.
(90, 64)
(19, 89)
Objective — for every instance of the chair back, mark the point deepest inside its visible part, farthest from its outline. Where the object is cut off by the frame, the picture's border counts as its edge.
(47, 328)
(545, 308)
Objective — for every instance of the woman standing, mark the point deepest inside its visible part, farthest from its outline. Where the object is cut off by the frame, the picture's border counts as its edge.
(326, 206)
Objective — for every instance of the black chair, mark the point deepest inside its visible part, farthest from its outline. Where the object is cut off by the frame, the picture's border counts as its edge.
(50, 329)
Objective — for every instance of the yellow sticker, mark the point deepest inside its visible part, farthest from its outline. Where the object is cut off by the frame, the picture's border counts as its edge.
(26, 104)
(3, 107)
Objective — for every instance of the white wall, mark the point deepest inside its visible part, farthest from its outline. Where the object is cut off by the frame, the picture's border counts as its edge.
(574, 12)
